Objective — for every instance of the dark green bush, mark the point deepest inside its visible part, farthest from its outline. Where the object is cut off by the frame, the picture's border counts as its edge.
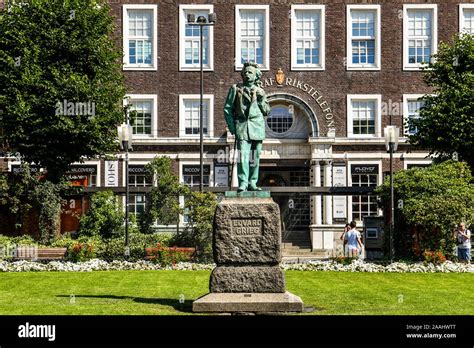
(113, 249)
(104, 218)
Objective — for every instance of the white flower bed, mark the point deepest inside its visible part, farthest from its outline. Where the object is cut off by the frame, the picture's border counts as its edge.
(361, 266)
(355, 266)
(96, 265)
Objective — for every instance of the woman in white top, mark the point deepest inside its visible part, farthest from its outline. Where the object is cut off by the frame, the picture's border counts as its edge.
(464, 243)
(352, 239)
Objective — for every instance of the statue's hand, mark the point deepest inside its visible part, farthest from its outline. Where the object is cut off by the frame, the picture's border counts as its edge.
(259, 92)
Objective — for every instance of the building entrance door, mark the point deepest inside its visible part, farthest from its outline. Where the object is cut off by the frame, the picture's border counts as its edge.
(294, 208)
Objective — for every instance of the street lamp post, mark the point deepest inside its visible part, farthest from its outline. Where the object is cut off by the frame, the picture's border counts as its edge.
(201, 22)
(391, 142)
(125, 133)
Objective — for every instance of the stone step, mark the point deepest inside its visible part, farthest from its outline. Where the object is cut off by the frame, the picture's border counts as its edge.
(297, 252)
(297, 246)
(303, 258)
(291, 239)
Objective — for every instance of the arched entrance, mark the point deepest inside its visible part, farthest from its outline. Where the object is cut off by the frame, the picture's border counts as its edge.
(285, 161)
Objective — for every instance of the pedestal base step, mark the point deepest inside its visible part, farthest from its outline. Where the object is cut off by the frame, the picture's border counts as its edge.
(248, 302)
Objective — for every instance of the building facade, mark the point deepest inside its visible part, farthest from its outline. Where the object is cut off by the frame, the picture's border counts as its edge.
(335, 72)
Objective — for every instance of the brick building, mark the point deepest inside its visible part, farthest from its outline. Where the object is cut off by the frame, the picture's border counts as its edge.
(336, 73)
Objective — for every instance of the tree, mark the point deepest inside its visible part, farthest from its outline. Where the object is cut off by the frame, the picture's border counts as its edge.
(24, 191)
(104, 218)
(162, 203)
(435, 199)
(61, 85)
(446, 122)
(200, 208)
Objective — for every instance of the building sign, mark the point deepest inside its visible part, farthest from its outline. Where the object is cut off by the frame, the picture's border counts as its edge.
(81, 175)
(196, 170)
(365, 169)
(111, 173)
(311, 91)
(339, 178)
(18, 169)
(137, 170)
(246, 227)
(221, 176)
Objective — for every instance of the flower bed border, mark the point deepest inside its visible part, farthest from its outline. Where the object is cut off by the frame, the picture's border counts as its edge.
(142, 265)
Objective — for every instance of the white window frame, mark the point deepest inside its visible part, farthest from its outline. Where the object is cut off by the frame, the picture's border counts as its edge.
(378, 116)
(406, 162)
(124, 183)
(378, 34)
(406, 99)
(266, 48)
(154, 113)
(463, 7)
(434, 32)
(349, 183)
(154, 43)
(206, 162)
(322, 39)
(209, 98)
(183, 20)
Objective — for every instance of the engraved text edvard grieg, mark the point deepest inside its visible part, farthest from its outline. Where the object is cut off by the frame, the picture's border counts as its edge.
(246, 227)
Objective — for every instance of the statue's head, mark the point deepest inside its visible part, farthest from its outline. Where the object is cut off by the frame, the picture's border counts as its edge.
(251, 68)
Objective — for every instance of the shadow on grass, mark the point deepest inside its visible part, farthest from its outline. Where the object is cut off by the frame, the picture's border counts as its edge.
(185, 307)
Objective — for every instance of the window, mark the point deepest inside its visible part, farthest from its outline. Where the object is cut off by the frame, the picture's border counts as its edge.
(411, 110)
(280, 119)
(307, 37)
(137, 177)
(191, 175)
(192, 178)
(364, 175)
(189, 115)
(139, 37)
(363, 115)
(409, 164)
(363, 37)
(252, 35)
(143, 114)
(466, 18)
(189, 39)
(420, 37)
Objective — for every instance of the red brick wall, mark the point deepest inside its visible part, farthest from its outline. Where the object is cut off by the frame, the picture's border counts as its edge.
(334, 83)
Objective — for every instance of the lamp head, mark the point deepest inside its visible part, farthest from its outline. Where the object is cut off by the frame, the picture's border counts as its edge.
(391, 134)
(201, 20)
(191, 18)
(212, 17)
(125, 135)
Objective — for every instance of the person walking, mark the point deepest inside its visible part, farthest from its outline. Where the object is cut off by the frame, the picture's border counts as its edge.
(352, 239)
(464, 243)
(347, 227)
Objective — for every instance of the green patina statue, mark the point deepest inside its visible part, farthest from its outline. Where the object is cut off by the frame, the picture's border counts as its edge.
(244, 111)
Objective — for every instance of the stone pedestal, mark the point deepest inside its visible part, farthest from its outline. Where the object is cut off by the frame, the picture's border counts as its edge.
(247, 251)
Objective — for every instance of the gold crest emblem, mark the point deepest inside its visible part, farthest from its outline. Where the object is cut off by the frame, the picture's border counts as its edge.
(280, 77)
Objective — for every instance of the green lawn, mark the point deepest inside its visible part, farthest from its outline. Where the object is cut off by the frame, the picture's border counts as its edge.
(158, 292)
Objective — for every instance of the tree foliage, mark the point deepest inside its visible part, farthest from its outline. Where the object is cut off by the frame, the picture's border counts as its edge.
(104, 218)
(51, 52)
(446, 122)
(162, 203)
(435, 199)
(23, 191)
(200, 208)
